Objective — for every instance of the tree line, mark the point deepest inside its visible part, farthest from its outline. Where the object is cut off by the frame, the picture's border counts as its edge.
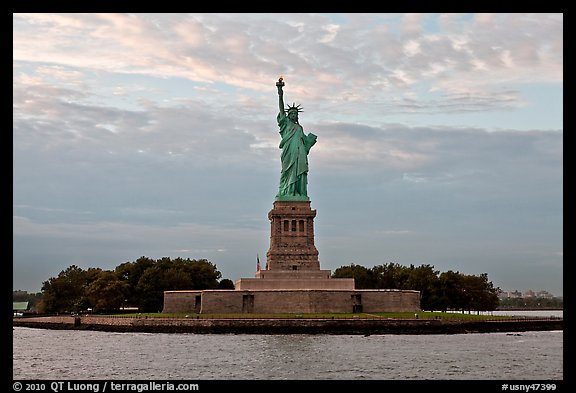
(139, 284)
(532, 303)
(438, 291)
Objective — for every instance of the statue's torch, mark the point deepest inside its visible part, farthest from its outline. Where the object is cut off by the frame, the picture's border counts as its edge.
(280, 82)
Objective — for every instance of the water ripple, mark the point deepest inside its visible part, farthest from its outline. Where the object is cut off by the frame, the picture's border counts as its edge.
(68, 354)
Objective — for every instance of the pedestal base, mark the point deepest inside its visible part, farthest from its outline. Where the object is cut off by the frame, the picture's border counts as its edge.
(289, 279)
(221, 301)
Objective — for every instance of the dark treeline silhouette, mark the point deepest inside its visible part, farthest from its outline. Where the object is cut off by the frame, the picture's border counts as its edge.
(141, 284)
(532, 303)
(138, 284)
(438, 291)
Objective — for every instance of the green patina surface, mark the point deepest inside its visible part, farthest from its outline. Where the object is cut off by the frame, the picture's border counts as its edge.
(295, 145)
(292, 198)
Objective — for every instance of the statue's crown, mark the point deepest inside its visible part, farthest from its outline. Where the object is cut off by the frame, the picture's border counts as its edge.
(294, 107)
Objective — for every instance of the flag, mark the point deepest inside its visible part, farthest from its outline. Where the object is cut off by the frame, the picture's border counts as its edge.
(257, 262)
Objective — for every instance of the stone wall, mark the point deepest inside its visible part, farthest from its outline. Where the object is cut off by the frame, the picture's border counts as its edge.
(181, 301)
(389, 300)
(292, 301)
(288, 326)
(258, 284)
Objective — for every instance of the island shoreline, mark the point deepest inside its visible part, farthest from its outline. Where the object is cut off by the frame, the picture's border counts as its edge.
(353, 326)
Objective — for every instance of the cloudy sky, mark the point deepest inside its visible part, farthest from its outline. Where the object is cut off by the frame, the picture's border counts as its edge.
(440, 140)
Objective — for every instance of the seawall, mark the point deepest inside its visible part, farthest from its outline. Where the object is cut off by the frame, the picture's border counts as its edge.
(287, 325)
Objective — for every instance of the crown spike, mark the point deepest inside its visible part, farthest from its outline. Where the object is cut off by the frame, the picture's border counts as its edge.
(294, 107)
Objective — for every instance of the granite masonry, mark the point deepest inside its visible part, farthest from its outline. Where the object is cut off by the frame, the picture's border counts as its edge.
(292, 281)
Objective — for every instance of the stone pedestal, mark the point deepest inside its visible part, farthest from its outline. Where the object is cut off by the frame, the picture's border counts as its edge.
(292, 237)
(292, 260)
(293, 281)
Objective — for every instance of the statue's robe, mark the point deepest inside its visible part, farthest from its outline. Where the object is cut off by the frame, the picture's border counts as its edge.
(295, 146)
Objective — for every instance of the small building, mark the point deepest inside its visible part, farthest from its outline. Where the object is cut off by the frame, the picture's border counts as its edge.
(19, 308)
(529, 293)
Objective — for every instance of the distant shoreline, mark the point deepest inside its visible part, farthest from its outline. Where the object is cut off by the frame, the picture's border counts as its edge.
(288, 325)
(530, 309)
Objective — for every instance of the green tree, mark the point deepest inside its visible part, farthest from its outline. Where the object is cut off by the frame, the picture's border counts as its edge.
(424, 279)
(452, 295)
(226, 284)
(479, 293)
(167, 275)
(131, 272)
(203, 273)
(391, 276)
(107, 292)
(363, 277)
(141, 283)
(65, 293)
(449, 290)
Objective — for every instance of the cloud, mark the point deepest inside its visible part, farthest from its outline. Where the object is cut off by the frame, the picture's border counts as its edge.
(70, 134)
(155, 134)
(46, 249)
(122, 233)
(465, 56)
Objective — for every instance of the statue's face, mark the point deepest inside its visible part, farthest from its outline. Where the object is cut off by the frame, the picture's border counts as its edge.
(293, 115)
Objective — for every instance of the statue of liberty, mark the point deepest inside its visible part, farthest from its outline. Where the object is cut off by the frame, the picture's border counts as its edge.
(295, 146)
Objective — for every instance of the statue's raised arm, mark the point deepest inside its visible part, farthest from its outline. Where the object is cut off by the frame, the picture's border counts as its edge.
(280, 84)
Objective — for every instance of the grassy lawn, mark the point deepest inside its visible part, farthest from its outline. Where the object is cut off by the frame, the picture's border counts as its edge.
(384, 315)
